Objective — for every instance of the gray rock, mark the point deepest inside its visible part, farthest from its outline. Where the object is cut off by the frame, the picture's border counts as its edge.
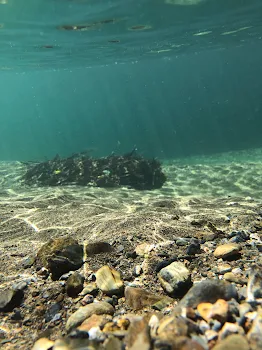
(74, 284)
(175, 279)
(208, 291)
(84, 312)
(254, 285)
(60, 255)
(10, 298)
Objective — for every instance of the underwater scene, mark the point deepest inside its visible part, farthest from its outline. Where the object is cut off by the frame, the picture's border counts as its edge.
(130, 174)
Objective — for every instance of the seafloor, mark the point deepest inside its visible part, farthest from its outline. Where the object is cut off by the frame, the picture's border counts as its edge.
(205, 200)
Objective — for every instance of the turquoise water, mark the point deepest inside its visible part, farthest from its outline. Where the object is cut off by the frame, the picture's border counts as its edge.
(175, 78)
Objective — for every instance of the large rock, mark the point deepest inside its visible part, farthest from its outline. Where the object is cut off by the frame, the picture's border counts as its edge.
(91, 249)
(138, 298)
(232, 342)
(60, 255)
(138, 337)
(10, 298)
(208, 291)
(175, 279)
(109, 281)
(100, 308)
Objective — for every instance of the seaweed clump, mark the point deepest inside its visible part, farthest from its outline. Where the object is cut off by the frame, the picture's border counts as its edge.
(130, 170)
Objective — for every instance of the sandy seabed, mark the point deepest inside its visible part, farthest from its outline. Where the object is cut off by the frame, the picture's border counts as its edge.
(226, 196)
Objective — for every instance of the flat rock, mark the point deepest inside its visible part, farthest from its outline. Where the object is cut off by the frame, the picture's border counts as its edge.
(84, 312)
(138, 298)
(227, 250)
(109, 281)
(175, 279)
(60, 255)
(232, 342)
(208, 291)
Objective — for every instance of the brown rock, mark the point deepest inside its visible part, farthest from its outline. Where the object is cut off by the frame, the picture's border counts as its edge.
(109, 281)
(94, 321)
(112, 343)
(227, 250)
(204, 310)
(232, 342)
(219, 311)
(172, 326)
(60, 255)
(138, 337)
(74, 284)
(138, 298)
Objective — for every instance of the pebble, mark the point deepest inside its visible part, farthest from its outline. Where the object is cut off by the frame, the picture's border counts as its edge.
(84, 312)
(175, 279)
(224, 268)
(228, 250)
(231, 277)
(74, 284)
(109, 281)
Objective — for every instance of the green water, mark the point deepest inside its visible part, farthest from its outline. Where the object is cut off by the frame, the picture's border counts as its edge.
(178, 81)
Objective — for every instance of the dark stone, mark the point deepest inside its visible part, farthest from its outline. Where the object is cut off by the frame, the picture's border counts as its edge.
(52, 310)
(16, 315)
(97, 248)
(60, 256)
(208, 291)
(74, 284)
(194, 247)
(10, 298)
